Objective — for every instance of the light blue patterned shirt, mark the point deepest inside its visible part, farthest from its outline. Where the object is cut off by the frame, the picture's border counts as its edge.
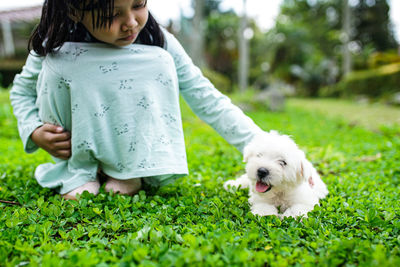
(122, 108)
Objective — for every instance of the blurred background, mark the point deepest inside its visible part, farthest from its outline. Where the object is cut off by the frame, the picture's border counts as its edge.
(276, 48)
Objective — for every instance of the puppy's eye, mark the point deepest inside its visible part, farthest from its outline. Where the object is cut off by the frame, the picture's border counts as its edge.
(259, 155)
(283, 163)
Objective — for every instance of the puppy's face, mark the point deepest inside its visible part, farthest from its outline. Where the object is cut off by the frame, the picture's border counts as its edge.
(273, 161)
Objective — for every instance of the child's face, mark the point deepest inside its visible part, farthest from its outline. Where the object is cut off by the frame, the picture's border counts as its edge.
(129, 18)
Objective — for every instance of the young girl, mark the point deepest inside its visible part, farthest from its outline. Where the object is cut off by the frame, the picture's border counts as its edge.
(101, 92)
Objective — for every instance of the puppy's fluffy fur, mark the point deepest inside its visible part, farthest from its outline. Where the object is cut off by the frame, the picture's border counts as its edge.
(279, 175)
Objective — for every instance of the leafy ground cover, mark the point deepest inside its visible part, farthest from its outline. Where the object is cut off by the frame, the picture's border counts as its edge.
(194, 222)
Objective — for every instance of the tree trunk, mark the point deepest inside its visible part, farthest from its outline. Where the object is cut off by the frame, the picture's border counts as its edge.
(347, 64)
(243, 52)
(198, 34)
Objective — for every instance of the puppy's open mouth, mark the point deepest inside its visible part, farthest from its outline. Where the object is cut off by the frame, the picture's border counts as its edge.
(262, 187)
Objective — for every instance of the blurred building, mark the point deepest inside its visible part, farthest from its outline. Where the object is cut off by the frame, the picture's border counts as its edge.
(16, 25)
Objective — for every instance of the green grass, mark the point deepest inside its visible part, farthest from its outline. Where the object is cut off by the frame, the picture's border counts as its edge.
(370, 116)
(358, 224)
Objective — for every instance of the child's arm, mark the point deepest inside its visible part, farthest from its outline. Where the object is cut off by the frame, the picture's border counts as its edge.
(33, 132)
(207, 102)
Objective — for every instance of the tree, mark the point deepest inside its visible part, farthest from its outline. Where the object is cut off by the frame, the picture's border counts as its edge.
(347, 30)
(243, 50)
(304, 44)
(307, 39)
(211, 6)
(221, 43)
(372, 24)
(197, 46)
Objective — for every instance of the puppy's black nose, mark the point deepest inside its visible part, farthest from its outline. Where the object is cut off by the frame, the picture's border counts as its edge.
(262, 173)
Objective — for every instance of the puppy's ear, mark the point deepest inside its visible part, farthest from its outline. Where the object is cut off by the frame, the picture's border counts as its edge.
(273, 132)
(248, 150)
(304, 170)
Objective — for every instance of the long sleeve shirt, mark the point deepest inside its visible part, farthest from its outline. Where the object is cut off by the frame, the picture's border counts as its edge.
(71, 78)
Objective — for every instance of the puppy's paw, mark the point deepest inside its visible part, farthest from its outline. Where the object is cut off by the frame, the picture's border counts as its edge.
(292, 214)
(241, 182)
(296, 211)
(230, 185)
(264, 210)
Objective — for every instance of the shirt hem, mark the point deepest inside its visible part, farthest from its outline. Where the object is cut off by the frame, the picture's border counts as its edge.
(146, 173)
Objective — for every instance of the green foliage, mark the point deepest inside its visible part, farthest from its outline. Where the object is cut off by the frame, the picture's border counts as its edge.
(194, 222)
(222, 45)
(210, 6)
(307, 42)
(8, 69)
(220, 81)
(304, 44)
(250, 100)
(378, 82)
(372, 24)
(383, 58)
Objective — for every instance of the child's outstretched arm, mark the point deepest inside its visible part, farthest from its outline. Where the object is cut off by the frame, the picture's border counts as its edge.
(33, 132)
(207, 102)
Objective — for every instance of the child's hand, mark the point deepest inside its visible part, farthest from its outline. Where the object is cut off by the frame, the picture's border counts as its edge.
(54, 140)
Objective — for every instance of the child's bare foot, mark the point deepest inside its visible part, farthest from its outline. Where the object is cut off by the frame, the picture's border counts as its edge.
(124, 187)
(91, 187)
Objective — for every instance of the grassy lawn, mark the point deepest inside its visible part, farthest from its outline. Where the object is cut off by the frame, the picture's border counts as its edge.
(194, 222)
(370, 116)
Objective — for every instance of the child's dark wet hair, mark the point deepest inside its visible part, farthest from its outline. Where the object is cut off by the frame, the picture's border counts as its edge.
(56, 27)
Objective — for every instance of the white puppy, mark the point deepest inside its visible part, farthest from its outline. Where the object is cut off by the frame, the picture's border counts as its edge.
(279, 175)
